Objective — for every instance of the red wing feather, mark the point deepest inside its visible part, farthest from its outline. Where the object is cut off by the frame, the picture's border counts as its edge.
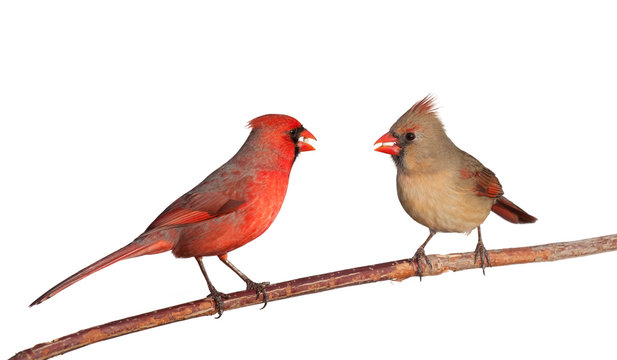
(487, 184)
(180, 216)
(195, 207)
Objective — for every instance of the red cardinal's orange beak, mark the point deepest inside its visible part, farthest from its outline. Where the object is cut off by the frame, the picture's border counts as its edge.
(388, 144)
(303, 144)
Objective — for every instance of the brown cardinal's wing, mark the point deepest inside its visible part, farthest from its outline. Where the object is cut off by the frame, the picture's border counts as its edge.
(484, 181)
(487, 184)
(198, 205)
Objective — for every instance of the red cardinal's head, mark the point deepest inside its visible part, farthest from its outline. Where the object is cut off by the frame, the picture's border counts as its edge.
(283, 131)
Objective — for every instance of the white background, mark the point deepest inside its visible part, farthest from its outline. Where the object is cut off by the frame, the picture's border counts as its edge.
(111, 110)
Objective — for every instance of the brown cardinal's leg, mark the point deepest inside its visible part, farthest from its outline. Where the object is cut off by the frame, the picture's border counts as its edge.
(482, 253)
(216, 295)
(420, 255)
(260, 288)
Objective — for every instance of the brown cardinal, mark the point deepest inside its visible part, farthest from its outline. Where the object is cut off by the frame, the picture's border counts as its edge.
(231, 207)
(439, 185)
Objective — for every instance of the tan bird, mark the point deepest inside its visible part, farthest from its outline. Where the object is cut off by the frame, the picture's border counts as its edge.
(441, 186)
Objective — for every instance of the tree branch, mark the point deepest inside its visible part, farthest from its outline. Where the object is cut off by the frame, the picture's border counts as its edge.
(396, 270)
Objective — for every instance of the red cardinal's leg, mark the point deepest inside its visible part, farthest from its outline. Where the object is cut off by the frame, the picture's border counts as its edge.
(216, 295)
(260, 288)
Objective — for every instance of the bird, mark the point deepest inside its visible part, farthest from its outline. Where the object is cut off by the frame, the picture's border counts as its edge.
(232, 206)
(441, 186)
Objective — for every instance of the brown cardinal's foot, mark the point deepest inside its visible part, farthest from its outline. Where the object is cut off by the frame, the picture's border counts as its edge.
(418, 257)
(218, 297)
(482, 253)
(260, 288)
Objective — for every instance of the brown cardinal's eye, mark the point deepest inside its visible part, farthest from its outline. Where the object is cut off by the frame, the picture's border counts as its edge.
(410, 136)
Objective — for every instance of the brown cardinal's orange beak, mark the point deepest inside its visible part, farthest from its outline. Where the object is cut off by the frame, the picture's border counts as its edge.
(388, 144)
(303, 144)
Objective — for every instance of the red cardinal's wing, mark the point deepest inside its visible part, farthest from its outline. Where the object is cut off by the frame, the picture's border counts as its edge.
(196, 206)
(218, 205)
(487, 184)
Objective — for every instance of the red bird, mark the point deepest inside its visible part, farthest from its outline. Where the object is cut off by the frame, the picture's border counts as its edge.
(439, 185)
(231, 207)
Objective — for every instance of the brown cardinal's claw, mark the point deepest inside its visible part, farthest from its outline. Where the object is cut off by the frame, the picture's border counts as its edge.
(218, 297)
(260, 288)
(419, 256)
(482, 253)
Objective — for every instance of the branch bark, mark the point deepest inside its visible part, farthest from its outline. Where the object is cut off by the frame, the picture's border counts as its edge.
(396, 270)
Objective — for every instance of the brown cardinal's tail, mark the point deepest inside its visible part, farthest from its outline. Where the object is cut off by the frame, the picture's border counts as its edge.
(514, 214)
(136, 248)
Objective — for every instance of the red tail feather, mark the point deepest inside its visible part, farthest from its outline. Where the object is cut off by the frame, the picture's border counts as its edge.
(509, 211)
(136, 248)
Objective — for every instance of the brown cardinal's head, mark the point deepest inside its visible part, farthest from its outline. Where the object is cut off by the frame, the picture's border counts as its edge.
(417, 139)
(282, 133)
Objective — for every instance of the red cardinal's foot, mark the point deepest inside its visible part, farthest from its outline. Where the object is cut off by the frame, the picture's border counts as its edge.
(418, 257)
(218, 297)
(482, 253)
(260, 288)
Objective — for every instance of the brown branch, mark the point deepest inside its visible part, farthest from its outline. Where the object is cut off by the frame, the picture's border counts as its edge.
(396, 270)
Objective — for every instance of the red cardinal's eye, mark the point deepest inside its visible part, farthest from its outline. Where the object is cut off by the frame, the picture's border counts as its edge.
(410, 136)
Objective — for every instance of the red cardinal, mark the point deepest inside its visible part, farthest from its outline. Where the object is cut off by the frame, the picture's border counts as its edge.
(439, 185)
(231, 207)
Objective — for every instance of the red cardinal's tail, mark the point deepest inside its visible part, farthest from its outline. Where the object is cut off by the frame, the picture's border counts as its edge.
(136, 248)
(514, 214)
